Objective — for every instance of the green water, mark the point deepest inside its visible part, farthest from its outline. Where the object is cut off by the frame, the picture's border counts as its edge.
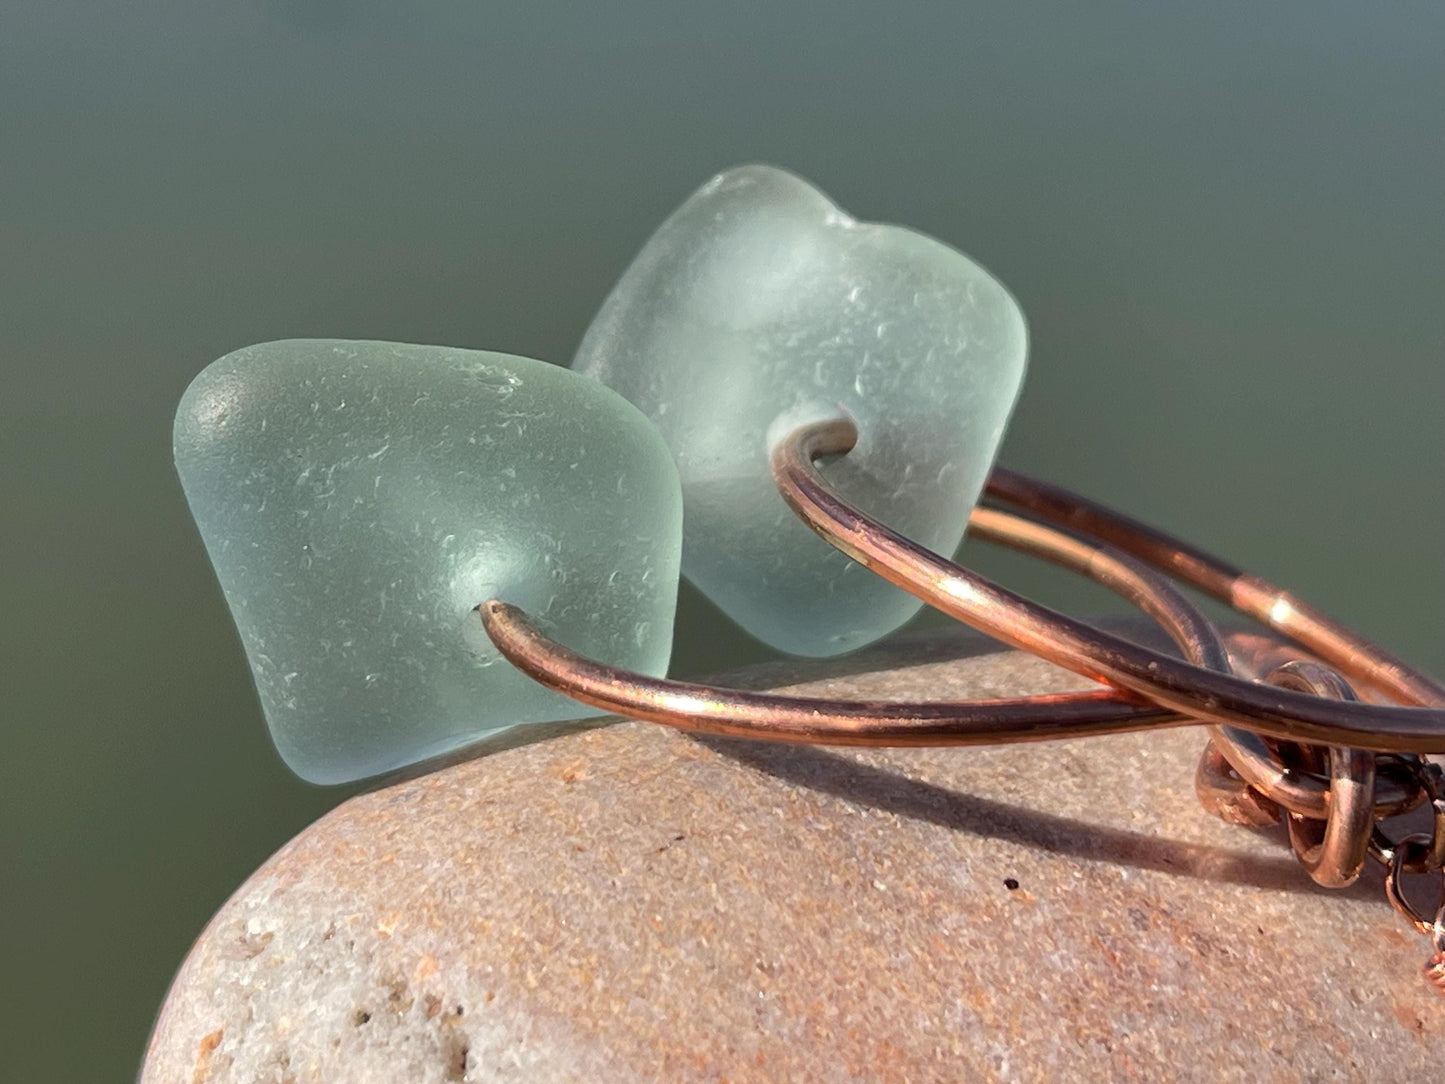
(1225, 225)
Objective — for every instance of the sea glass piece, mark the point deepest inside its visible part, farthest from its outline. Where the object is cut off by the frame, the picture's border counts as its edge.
(759, 305)
(359, 499)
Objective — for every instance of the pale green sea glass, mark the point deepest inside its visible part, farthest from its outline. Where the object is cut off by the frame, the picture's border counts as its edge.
(760, 304)
(358, 499)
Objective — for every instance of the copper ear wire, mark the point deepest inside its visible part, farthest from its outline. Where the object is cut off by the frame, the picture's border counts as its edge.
(708, 709)
(1203, 694)
(1012, 619)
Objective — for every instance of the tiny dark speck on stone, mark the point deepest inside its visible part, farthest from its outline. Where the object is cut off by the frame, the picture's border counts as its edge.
(361, 1017)
(1011, 884)
(460, 1010)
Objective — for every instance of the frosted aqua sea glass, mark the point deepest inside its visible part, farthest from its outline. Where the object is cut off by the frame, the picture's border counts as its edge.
(358, 499)
(758, 305)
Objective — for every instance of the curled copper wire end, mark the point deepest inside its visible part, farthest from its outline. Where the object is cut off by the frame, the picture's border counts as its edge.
(1206, 694)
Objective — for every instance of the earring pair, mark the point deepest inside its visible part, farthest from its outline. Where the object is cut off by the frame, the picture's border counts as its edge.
(360, 499)
(766, 370)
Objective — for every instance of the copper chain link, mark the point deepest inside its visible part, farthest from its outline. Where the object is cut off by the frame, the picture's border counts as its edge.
(1331, 849)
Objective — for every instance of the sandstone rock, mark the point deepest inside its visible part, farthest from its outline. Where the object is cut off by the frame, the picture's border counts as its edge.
(629, 903)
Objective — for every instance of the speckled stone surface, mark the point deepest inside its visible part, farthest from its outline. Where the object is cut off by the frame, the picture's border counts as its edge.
(628, 903)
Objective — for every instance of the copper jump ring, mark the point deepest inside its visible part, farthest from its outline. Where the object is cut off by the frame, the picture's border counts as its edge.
(1333, 851)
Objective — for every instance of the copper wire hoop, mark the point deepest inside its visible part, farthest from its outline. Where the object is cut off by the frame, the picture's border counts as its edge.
(708, 709)
(703, 708)
(1186, 688)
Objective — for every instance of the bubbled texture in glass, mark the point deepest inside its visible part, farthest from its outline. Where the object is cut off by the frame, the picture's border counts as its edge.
(759, 304)
(359, 499)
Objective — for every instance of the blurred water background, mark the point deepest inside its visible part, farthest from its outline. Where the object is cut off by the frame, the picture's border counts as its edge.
(1225, 221)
